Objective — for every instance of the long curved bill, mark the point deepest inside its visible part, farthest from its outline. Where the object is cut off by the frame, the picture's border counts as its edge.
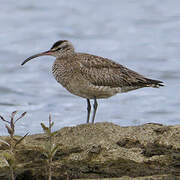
(36, 55)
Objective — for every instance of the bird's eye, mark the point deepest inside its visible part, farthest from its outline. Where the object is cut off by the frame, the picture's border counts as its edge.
(56, 49)
(61, 48)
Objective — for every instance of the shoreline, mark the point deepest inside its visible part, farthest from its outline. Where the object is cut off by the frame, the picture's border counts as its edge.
(101, 150)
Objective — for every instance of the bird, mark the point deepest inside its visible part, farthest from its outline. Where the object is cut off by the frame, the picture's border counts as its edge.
(91, 76)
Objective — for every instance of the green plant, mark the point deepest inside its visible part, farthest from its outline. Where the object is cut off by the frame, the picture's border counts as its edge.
(9, 156)
(50, 148)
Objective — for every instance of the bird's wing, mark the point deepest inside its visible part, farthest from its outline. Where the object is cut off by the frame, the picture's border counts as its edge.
(104, 72)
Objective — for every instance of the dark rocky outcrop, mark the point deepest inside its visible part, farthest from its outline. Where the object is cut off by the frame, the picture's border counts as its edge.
(102, 150)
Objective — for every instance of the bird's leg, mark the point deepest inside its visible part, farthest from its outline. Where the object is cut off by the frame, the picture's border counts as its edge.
(88, 110)
(95, 108)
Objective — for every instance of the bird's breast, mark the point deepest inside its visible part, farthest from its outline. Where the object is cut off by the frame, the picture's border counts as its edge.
(62, 73)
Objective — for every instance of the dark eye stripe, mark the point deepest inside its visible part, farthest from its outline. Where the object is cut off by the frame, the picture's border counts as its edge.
(64, 47)
(58, 49)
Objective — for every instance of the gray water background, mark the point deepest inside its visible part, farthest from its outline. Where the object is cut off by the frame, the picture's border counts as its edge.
(143, 35)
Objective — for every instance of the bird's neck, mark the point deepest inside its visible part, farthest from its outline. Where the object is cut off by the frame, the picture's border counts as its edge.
(66, 54)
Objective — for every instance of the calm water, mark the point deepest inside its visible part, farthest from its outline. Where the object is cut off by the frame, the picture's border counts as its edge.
(142, 35)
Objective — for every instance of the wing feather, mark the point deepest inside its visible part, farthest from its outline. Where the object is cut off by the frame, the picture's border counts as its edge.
(104, 72)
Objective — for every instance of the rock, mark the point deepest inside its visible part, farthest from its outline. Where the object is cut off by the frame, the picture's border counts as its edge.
(102, 150)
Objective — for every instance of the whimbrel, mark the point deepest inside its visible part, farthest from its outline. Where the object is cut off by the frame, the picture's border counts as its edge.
(90, 76)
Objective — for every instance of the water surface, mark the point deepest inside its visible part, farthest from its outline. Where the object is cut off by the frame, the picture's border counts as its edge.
(142, 35)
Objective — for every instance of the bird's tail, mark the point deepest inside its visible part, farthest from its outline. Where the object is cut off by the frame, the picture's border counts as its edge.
(154, 83)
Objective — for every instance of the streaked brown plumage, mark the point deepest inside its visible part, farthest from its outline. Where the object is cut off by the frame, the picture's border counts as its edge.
(90, 76)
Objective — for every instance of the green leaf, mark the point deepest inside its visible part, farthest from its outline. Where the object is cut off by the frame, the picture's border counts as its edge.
(53, 133)
(47, 147)
(19, 141)
(43, 149)
(54, 150)
(6, 162)
(4, 142)
(9, 159)
(45, 129)
(46, 154)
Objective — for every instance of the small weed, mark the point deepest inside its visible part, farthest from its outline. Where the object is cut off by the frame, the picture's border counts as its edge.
(9, 156)
(50, 148)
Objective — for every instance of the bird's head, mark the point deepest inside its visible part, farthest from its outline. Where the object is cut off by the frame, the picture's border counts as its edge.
(59, 49)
